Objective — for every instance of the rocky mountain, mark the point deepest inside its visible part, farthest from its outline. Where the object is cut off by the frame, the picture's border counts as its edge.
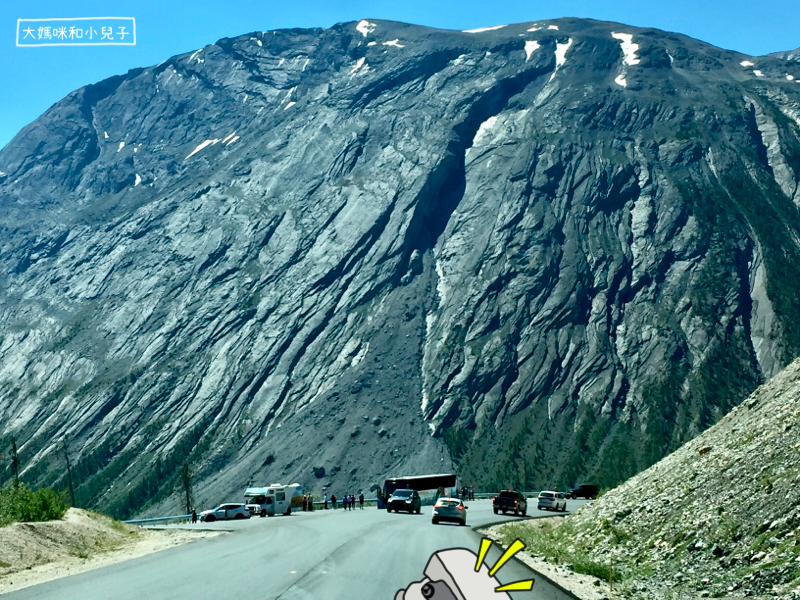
(788, 54)
(718, 518)
(546, 251)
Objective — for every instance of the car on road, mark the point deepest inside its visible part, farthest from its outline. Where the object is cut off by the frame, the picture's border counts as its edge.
(231, 510)
(449, 509)
(408, 500)
(585, 490)
(510, 501)
(552, 501)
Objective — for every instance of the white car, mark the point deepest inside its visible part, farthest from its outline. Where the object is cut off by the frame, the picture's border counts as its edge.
(552, 501)
(231, 510)
(449, 509)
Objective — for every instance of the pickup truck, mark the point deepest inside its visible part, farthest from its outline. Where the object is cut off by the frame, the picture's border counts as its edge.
(510, 501)
(585, 490)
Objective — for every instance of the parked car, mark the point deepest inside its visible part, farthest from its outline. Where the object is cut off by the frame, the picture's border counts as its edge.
(232, 510)
(449, 509)
(404, 500)
(510, 501)
(585, 490)
(552, 501)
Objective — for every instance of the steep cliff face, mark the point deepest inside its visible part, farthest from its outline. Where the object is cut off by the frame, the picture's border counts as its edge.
(549, 251)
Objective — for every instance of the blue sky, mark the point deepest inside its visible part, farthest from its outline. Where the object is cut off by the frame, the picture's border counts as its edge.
(35, 78)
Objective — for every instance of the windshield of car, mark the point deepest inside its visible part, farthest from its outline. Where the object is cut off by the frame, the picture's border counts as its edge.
(507, 494)
(404, 493)
(449, 502)
(546, 495)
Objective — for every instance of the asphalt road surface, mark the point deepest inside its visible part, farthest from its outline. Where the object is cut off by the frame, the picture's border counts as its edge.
(324, 555)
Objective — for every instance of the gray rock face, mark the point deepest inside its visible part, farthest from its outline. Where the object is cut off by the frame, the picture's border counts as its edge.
(364, 251)
(788, 54)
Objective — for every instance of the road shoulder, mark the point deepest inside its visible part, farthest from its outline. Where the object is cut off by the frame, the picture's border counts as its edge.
(33, 553)
(581, 587)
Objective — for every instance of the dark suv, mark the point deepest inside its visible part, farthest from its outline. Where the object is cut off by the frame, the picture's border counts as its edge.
(404, 500)
(510, 501)
(585, 490)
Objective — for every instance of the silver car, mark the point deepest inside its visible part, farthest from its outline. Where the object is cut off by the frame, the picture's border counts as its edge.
(449, 509)
(232, 510)
(552, 501)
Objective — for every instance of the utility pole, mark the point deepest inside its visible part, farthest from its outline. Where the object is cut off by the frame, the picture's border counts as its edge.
(186, 482)
(69, 472)
(14, 461)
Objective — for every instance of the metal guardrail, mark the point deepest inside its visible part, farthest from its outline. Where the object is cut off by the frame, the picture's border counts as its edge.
(155, 519)
(484, 495)
(368, 502)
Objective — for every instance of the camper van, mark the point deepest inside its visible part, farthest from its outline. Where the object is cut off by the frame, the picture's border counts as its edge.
(273, 500)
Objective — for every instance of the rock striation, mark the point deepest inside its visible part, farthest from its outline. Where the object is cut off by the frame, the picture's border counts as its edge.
(548, 252)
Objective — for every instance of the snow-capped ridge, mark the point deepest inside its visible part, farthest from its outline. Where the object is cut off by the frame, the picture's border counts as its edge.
(482, 29)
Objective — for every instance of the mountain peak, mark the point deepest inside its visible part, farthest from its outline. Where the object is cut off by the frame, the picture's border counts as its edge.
(333, 255)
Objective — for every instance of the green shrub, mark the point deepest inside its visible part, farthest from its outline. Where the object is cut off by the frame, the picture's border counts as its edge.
(18, 503)
(556, 543)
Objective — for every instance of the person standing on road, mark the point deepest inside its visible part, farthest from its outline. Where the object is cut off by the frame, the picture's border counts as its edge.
(194, 516)
(361, 500)
(325, 501)
(311, 503)
(333, 501)
(305, 503)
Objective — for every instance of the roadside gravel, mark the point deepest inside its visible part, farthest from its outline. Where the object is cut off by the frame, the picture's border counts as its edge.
(32, 553)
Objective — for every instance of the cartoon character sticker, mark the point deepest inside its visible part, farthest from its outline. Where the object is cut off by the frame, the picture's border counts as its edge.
(460, 574)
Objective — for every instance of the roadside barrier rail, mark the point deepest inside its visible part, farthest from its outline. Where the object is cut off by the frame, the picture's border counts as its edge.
(368, 502)
(155, 519)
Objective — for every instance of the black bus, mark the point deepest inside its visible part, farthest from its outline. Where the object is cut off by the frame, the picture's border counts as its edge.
(417, 482)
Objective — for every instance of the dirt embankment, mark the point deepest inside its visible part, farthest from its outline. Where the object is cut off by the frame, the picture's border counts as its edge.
(32, 553)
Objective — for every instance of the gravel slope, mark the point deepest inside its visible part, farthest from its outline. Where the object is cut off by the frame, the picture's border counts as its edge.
(32, 553)
(720, 517)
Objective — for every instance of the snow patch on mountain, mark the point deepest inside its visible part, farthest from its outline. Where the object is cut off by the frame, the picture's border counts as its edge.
(364, 27)
(482, 29)
(358, 65)
(561, 52)
(202, 145)
(531, 46)
(561, 56)
(629, 47)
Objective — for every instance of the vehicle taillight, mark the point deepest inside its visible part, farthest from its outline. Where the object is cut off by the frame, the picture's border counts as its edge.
(494, 500)
(515, 501)
(460, 508)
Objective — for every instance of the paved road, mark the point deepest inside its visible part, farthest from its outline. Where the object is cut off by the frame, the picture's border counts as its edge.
(324, 555)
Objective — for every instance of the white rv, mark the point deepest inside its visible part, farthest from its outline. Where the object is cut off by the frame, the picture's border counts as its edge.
(273, 500)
